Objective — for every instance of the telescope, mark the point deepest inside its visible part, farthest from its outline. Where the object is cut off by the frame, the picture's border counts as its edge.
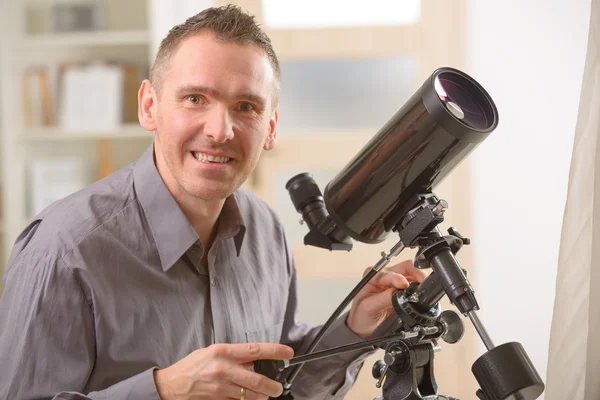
(388, 188)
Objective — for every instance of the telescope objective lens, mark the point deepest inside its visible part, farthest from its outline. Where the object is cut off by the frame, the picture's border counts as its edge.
(462, 97)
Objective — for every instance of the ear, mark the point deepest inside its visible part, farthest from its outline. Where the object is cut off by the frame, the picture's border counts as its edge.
(147, 106)
(272, 136)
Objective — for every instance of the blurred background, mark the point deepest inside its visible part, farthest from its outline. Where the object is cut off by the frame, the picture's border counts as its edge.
(70, 71)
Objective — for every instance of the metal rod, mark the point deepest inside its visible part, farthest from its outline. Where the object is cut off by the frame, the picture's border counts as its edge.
(386, 258)
(344, 349)
(481, 330)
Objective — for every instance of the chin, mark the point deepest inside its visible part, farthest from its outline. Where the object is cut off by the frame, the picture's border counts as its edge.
(211, 194)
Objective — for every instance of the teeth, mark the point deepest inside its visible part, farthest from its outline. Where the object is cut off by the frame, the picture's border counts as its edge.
(208, 158)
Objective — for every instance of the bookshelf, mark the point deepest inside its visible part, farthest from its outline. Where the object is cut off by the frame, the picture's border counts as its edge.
(34, 60)
(54, 134)
(117, 38)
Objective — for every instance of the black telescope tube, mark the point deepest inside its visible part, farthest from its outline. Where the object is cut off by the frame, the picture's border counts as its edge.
(440, 125)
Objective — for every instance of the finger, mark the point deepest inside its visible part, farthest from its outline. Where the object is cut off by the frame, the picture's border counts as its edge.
(248, 352)
(389, 279)
(247, 365)
(257, 383)
(407, 268)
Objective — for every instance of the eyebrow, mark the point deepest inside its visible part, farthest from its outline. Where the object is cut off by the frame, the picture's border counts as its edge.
(212, 92)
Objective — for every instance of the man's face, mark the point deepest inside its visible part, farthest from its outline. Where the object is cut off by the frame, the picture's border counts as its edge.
(213, 117)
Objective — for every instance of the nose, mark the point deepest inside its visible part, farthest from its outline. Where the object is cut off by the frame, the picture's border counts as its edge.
(218, 124)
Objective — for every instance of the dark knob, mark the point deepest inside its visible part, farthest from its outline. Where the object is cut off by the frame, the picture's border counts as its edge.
(378, 369)
(453, 232)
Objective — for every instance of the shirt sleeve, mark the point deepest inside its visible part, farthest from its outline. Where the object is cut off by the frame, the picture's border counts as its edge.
(328, 378)
(47, 341)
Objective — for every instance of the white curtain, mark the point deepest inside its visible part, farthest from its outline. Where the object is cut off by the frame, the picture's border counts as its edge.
(574, 352)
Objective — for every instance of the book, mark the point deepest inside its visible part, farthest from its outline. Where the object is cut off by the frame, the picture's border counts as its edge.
(81, 97)
(53, 179)
(92, 98)
(38, 95)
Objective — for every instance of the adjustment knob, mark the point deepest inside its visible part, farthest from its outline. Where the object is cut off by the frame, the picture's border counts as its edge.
(453, 232)
(390, 358)
(378, 369)
(452, 326)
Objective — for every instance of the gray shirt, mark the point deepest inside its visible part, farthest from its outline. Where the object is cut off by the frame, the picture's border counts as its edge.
(106, 285)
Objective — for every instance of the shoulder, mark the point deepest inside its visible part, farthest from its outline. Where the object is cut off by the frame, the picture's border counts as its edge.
(35, 268)
(59, 227)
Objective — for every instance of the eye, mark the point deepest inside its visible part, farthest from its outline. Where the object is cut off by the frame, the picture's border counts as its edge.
(194, 99)
(246, 107)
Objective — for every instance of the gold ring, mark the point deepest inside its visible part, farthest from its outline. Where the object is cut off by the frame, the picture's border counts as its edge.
(242, 393)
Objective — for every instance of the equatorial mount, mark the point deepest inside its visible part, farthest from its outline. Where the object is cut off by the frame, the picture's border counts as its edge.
(388, 186)
(410, 335)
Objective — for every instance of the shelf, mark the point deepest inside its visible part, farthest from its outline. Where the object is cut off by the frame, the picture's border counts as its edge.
(128, 131)
(106, 38)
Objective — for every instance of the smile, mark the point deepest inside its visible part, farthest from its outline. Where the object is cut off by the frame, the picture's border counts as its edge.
(207, 158)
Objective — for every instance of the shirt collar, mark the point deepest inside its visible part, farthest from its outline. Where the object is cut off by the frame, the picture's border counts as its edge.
(172, 232)
(232, 223)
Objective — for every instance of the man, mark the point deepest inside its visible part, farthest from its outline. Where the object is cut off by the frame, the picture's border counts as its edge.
(165, 280)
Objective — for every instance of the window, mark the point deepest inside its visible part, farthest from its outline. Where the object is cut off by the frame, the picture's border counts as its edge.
(347, 96)
(289, 14)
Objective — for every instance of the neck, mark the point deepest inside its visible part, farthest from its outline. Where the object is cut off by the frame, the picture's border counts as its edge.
(202, 214)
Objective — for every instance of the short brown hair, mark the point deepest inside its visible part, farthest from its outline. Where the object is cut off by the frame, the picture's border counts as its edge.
(228, 23)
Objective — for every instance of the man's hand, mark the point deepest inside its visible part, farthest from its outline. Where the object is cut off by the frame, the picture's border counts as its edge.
(373, 304)
(220, 371)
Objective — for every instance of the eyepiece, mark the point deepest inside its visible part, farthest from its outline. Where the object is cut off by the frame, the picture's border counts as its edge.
(308, 201)
(303, 190)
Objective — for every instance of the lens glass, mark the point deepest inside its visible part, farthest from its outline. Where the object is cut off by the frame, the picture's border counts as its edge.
(455, 90)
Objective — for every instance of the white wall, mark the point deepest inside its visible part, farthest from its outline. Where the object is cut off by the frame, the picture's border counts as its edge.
(163, 15)
(529, 55)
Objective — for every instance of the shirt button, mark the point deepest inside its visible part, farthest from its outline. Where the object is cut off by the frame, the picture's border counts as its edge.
(213, 282)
